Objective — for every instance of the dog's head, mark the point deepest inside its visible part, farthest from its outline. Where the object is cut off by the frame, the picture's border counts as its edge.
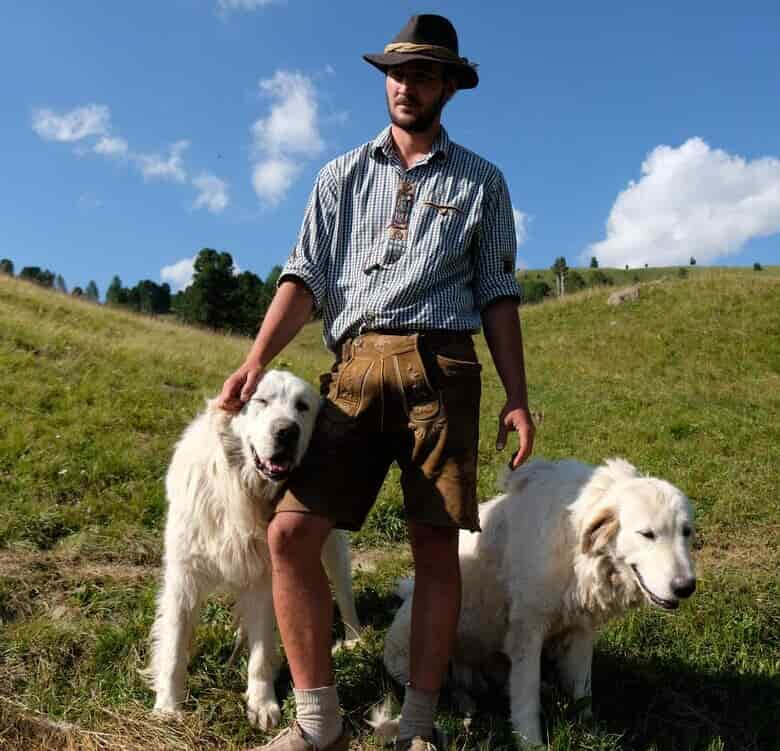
(644, 526)
(275, 425)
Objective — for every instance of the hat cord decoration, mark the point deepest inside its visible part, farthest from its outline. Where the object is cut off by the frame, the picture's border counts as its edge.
(430, 49)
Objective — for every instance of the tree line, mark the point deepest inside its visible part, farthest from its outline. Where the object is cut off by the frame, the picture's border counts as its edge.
(535, 287)
(218, 297)
(47, 278)
(221, 299)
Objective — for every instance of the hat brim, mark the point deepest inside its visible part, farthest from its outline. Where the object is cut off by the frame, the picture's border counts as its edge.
(465, 75)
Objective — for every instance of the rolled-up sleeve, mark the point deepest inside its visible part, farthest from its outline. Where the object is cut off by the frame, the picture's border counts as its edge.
(497, 247)
(310, 257)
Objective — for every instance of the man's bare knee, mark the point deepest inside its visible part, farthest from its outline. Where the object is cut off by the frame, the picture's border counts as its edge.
(433, 541)
(297, 537)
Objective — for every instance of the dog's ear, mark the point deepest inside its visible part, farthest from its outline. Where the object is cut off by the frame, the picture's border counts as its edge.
(231, 442)
(600, 529)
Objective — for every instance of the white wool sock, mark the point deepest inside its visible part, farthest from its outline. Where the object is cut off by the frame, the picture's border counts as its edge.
(417, 713)
(317, 712)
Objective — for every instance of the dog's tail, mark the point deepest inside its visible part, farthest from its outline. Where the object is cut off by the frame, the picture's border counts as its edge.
(382, 720)
(405, 588)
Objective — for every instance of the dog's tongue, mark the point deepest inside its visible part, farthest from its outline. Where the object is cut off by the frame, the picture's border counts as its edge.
(276, 467)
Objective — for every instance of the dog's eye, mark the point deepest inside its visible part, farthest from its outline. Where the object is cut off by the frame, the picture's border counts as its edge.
(262, 402)
(302, 406)
(647, 533)
(687, 531)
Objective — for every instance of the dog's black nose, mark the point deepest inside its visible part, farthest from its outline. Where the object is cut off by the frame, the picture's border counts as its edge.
(683, 587)
(287, 433)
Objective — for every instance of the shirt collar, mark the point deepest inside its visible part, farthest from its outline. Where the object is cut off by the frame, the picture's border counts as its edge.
(384, 143)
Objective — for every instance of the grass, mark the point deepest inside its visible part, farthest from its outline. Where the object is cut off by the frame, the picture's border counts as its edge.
(684, 382)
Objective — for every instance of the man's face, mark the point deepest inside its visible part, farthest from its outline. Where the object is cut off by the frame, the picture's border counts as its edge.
(416, 94)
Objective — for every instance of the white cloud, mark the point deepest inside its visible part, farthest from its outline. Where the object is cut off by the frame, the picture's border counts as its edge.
(521, 225)
(292, 125)
(272, 178)
(111, 146)
(243, 4)
(691, 201)
(288, 135)
(92, 120)
(213, 193)
(153, 166)
(179, 274)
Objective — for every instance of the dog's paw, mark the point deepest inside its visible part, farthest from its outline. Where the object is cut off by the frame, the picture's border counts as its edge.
(529, 740)
(383, 721)
(168, 712)
(263, 713)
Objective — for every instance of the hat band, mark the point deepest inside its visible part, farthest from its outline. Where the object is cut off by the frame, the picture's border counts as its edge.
(429, 49)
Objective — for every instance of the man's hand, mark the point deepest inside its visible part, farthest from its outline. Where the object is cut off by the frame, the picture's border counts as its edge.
(239, 387)
(517, 418)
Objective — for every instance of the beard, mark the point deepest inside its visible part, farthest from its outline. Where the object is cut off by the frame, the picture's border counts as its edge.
(423, 119)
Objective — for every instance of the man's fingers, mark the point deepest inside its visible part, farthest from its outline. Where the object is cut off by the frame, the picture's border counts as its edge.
(502, 434)
(520, 456)
(231, 405)
(250, 384)
(524, 450)
(230, 397)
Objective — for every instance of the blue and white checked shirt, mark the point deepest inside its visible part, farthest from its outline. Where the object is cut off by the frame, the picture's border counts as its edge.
(382, 247)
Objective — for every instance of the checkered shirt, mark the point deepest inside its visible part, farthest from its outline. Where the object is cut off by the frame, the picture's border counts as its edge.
(382, 247)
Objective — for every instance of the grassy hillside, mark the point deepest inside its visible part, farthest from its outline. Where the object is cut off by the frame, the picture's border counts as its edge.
(685, 383)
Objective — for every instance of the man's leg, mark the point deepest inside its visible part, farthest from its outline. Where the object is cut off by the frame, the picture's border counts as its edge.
(304, 611)
(435, 610)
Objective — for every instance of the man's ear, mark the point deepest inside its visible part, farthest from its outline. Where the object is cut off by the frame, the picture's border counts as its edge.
(599, 531)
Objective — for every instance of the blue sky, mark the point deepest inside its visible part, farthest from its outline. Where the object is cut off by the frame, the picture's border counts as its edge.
(137, 133)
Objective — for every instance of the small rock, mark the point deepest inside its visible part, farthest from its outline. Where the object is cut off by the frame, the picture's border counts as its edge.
(623, 295)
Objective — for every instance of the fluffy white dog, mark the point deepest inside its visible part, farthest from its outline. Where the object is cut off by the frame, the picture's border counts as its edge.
(568, 547)
(225, 476)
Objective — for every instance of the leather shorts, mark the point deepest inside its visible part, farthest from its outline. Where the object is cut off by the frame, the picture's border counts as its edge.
(410, 398)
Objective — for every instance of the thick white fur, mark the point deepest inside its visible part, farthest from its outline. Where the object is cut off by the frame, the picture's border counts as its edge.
(219, 506)
(560, 553)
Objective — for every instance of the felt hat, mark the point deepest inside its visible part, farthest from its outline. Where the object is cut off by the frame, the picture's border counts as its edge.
(427, 37)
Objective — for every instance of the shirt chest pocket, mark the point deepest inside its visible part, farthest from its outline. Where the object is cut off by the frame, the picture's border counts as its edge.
(445, 225)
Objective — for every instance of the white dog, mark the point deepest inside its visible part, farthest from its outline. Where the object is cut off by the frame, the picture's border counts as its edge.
(222, 483)
(567, 547)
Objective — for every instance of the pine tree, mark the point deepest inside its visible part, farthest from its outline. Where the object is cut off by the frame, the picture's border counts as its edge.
(116, 294)
(92, 294)
(560, 269)
(210, 298)
(36, 274)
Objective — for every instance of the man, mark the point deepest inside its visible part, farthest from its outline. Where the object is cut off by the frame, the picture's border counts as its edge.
(407, 245)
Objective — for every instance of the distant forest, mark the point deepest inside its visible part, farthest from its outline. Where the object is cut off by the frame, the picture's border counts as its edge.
(217, 297)
(220, 299)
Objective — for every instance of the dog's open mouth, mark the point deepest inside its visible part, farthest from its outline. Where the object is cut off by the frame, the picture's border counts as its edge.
(655, 599)
(274, 469)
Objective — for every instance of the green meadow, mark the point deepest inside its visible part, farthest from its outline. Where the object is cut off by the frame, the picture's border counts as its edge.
(684, 383)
